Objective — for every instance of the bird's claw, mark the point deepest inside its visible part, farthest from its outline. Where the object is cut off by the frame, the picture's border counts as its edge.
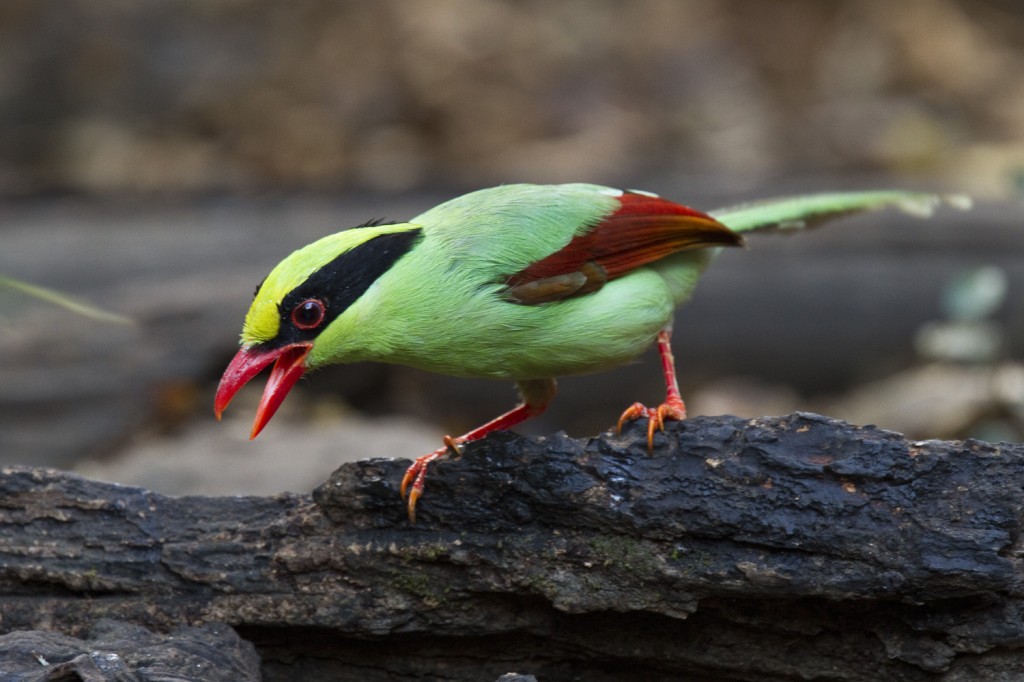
(656, 417)
(453, 444)
(634, 411)
(416, 474)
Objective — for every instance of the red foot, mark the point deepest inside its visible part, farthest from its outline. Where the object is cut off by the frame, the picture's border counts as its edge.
(537, 393)
(672, 408)
(417, 473)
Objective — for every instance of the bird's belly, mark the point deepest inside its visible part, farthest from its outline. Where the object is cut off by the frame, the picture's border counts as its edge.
(501, 340)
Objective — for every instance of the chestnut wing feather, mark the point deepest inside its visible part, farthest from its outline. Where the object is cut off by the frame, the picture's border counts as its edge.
(644, 229)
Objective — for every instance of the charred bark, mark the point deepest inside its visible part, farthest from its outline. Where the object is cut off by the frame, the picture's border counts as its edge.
(784, 548)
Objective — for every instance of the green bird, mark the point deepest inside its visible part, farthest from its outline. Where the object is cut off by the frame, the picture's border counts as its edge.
(518, 282)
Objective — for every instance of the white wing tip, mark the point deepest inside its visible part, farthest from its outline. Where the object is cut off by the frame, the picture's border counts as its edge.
(961, 202)
(923, 205)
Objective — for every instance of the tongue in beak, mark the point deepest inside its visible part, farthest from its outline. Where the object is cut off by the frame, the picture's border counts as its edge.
(289, 365)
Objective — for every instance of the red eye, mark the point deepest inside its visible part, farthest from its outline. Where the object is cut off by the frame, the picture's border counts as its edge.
(308, 314)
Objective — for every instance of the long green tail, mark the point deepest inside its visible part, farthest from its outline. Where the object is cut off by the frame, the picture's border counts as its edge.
(802, 212)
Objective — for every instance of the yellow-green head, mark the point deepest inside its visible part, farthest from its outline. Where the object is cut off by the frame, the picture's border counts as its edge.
(302, 296)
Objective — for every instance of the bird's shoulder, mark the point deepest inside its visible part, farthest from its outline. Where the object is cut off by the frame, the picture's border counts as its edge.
(510, 226)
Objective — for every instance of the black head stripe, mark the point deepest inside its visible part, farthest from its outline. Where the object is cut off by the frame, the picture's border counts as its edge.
(341, 282)
(375, 222)
(258, 287)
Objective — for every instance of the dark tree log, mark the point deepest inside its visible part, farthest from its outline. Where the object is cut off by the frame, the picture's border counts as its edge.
(129, 653)
(771, 549)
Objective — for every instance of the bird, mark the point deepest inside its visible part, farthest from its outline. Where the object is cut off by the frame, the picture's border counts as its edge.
(519, 282)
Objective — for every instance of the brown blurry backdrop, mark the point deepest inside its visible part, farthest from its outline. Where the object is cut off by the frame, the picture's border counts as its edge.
(112, 96)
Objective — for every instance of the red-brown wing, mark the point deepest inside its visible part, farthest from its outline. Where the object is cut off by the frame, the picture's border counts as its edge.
(644, 229)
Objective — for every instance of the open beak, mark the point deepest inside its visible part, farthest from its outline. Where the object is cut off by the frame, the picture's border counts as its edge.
(289, 366)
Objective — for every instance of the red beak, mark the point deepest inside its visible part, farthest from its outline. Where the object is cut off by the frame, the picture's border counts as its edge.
(289, 365)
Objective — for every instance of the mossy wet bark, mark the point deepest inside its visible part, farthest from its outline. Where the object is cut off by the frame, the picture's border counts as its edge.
(795, 547)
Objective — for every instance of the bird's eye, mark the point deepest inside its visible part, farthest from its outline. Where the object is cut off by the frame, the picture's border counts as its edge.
(308, 314)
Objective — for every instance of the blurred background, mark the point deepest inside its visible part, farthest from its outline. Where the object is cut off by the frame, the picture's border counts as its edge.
(156, 159)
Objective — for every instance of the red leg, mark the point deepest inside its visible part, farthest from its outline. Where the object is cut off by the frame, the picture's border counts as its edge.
(536, 395)
(673, 407)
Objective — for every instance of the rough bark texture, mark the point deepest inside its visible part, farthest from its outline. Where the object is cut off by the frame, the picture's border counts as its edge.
(129, 653)
(781, 548)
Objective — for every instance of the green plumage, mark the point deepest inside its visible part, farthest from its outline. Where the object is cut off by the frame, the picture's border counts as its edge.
(439, 307)
(800, 212)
